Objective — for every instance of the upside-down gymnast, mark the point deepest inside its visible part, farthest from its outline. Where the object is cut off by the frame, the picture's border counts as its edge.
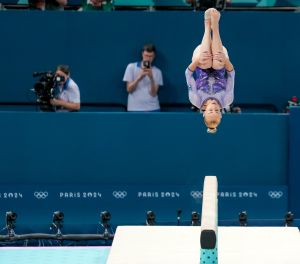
(210, 76)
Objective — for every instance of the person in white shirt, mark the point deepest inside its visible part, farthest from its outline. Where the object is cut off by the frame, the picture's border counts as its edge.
(143, 80)
(67, 95)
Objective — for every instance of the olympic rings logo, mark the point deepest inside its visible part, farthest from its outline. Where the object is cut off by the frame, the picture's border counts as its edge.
(196, 194)
(275, 194)
(119, 194)
(41, 195)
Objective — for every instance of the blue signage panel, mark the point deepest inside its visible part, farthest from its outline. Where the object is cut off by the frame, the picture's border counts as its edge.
(128, 205)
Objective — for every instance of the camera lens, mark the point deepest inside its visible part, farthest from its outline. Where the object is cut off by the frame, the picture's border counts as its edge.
(59, 78)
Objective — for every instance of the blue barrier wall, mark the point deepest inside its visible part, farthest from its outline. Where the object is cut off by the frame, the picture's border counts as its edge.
(141, 148)
(294, 161)
(128, 163)
(98, 47)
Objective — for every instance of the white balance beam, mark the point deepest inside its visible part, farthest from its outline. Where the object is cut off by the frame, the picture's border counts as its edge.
(209, 222)
(180, 244)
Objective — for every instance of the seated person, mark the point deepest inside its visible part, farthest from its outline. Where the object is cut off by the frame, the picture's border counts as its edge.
(37, 5)
(211, 89)
(67, 95)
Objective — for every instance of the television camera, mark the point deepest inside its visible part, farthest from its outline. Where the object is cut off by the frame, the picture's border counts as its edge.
(45, 88)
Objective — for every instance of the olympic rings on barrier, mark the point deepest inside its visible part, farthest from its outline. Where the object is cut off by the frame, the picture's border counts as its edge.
(119, 194)
(41, 195)
(196, 194)
(275, 194)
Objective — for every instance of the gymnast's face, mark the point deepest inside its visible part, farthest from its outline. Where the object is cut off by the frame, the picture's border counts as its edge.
(212, 115)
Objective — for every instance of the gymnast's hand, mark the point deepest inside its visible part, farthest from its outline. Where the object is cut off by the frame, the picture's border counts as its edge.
(219, 56)
(204, 59)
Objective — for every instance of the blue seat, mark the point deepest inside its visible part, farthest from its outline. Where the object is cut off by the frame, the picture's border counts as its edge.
(171, 3)
(150, 3)
(245, 3)
(133, 3)
(9, 2)
(75, 2)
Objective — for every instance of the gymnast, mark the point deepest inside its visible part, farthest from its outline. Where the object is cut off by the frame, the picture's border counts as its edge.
(210, 76)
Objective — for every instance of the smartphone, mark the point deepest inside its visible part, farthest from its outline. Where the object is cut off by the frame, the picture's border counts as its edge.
(147, 64)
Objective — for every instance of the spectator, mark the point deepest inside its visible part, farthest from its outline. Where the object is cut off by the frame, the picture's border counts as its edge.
(56, 5)
(97, 5)
(67, 96)
(142, 81)
(39, 5)
(210, 76)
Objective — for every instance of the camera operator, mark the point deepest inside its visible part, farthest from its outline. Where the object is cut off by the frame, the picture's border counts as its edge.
(142, 82)
(67, 95)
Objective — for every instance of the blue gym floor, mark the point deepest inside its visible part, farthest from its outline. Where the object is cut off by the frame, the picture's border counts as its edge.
(50, 255)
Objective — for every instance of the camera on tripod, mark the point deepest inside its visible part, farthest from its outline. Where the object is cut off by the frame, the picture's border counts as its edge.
(44, 88)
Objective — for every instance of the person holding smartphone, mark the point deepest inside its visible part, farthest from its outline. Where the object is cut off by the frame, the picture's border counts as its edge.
(143, 80)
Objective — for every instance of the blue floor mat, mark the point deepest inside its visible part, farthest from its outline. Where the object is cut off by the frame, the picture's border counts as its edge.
(50, 255)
